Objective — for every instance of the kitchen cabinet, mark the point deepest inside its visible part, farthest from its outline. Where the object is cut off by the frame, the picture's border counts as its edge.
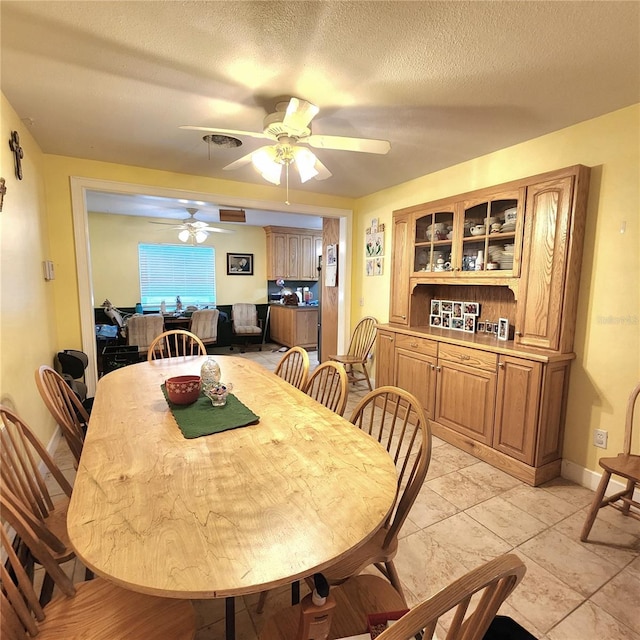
(553, 237)
(294, 326)
(466, 391)
(469, 238)
(400, 266)
(498, 402)
(384, 354)
(415, 369)
(292, 254)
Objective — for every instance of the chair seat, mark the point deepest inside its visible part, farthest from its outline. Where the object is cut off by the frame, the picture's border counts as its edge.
(248, 330)
(100, 610)
(356, 598)
(346, 359)
(627, 466)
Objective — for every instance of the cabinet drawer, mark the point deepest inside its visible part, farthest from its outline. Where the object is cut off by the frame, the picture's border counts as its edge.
(470, 357)
(420, 345)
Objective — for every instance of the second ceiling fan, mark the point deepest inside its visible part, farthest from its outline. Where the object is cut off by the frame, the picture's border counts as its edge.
(289, 127)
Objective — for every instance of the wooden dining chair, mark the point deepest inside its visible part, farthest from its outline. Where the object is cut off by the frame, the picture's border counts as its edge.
(448, 610)
(93, 610)
(64, 406)
(395, 418)
(329, 386)
(362, 339)
(24, 485)
(294, 367)
(627, 466)
(177, 342)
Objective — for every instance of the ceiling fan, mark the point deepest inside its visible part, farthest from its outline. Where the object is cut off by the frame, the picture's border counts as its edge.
(289, 127)
(194, 230)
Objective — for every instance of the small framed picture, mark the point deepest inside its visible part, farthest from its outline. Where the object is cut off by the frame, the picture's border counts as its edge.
(457, 324)
(472, 307)
(503, 329)
(480, 327)
(239, 264)
(435, 307)
(446, 306)
(469, 323)
(457, 310)
(489, 328)
(435, 321)
(446, 321)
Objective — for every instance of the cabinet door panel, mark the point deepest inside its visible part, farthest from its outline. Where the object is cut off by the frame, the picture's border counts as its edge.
(385, 359)
(465, 400)
(307, 265)
(517, 407)
(400, 268)
(416, 374)
(293, 247)
(280, 260)
(546, 242)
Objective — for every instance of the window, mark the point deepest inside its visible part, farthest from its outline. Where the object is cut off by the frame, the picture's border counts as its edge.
(168, 271)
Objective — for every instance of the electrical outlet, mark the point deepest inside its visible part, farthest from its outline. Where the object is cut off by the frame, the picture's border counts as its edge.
(600, 438)
(362, 302)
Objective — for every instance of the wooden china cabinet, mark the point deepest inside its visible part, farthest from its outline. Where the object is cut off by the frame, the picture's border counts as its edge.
(515, 250)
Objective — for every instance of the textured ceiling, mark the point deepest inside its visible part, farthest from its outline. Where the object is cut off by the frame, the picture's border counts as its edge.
(442, 81)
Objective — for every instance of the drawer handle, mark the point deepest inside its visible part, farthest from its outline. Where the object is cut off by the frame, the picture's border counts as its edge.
(501, 365)
(414, 345)
(518, 333)
(404, 317)
(438, 368)
(387, 337)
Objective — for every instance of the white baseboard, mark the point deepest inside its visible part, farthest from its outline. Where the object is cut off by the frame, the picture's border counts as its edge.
(591, 479)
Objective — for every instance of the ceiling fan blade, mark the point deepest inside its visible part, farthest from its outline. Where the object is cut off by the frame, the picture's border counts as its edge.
(240, 162)
(298, 115)
(340, 143)
(323, 172)
(162, 223)
(216, 230)
(230, 132)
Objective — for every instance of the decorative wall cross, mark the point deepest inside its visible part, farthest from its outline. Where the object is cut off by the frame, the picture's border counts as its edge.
(18, 154)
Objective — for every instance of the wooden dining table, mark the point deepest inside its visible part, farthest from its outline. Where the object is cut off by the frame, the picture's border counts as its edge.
(227, 514)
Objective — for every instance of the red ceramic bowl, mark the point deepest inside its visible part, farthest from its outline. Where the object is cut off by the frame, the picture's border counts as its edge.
(183, 389)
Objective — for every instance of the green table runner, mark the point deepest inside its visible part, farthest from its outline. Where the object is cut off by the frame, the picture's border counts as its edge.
(202, 419)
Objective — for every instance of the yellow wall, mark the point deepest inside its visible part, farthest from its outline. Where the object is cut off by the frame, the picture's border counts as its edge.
(114, 259)
(59, 170)
(607, 341)
(27, 327)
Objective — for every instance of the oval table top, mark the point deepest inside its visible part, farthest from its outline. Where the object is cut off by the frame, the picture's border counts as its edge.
(227, 514)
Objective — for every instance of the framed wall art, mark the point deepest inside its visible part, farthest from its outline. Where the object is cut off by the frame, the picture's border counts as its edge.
(239, 264)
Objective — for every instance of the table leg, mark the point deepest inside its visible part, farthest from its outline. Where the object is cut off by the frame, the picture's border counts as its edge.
(295, 592)
(230, 618)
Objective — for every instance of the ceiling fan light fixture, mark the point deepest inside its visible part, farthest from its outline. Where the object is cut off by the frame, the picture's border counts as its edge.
(200, 236)
(184, 235)
(305, 162)
(266, 165)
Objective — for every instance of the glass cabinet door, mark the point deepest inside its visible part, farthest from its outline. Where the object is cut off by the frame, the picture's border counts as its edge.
(433, 246)
(490, 229)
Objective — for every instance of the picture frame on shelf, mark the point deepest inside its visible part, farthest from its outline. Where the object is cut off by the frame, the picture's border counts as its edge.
(503, 329)
(457, 324)
(469, 325)
(472, 308)
(481, 327)
(435, 308)
(489, 327)
(435, 321)
(456, 310)
(446, 321)
(446, 306)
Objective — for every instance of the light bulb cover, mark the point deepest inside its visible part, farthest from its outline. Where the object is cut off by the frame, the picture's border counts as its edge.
(305, 161)
(265, 163)
(184, 235)
(200, 236)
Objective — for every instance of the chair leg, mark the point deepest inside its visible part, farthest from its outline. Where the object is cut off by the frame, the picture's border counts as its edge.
(366, 375)
(394, 578)
(631, 485)
(595, 506)
(47, 590)
(261, 601)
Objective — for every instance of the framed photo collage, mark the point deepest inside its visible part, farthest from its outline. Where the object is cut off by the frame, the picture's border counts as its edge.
(463, 316)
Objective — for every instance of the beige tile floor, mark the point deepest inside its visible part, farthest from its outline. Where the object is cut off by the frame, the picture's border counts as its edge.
(467, 513)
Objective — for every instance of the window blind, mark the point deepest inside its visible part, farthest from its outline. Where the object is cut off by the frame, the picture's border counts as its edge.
(168, 271)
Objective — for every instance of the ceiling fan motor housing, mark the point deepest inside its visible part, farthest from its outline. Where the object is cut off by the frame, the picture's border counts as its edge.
(273, 126)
